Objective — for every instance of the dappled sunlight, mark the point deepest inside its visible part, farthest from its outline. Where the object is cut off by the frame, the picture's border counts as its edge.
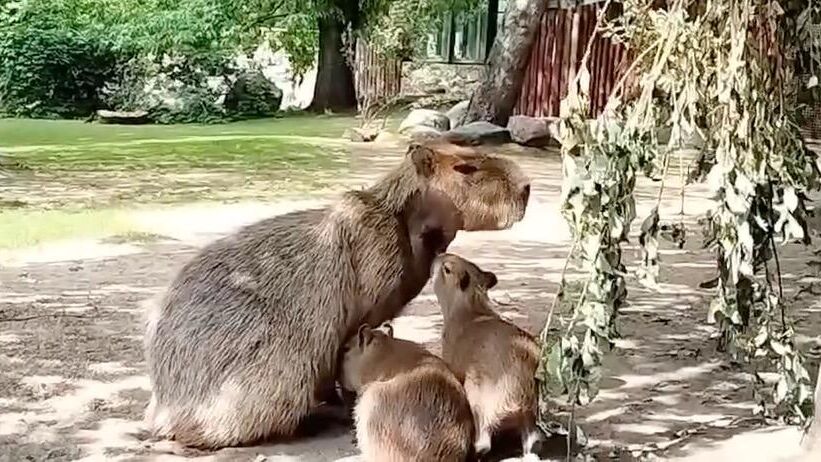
(109, 436)
(111, 367)
(777, 444)
(80, 381)
(74, 250)
(641, 428)
(66, 410)
(421, 329)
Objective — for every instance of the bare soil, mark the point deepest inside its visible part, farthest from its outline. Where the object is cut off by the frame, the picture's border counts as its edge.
(73, 385)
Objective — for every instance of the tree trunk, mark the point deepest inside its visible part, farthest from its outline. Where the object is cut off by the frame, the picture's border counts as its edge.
(496, 96)
(334, 89)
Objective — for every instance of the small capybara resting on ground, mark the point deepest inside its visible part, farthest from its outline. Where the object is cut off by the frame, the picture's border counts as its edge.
(410, 406)
(245, 342)
(495, 359)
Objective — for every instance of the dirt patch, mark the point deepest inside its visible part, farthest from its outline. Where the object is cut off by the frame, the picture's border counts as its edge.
(73, 387)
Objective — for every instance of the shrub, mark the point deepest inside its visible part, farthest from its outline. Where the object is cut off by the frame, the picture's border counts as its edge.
(48, 68)
(67, 58)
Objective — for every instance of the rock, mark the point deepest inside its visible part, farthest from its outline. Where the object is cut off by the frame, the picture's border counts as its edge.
(421, 133)
(457, 113)
(480, 132)
(532, 131)
(360, 135)
(425, 118)
(122, 117)
(252, 94)
(387, 137)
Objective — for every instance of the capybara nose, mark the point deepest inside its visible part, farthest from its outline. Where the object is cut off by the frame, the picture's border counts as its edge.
(525, 194)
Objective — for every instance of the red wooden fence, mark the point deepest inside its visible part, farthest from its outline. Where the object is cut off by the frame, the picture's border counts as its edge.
(556, 57)
(376, 78)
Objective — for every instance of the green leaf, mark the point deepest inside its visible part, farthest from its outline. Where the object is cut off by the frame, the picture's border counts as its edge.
(778, 347)
(781, 390)
(761, 338)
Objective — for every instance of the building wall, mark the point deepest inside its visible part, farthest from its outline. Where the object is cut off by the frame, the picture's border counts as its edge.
(556, 58)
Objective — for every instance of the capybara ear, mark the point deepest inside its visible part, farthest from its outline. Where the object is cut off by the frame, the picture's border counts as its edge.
(490, 279)
(464, 168)
(464, 281)
(365, 335)
(423, 159)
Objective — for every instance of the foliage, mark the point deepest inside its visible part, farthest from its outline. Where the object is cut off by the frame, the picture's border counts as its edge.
(65, 58)
(48, 67)
(297, 35)
(722, 69)
(400, 28)
(394, 28)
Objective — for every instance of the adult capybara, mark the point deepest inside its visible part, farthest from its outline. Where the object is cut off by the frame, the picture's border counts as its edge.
(495, 359)
(410, 406)
(246, 339)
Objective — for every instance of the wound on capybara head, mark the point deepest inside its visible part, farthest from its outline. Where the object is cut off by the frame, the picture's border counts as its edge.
(490, 192)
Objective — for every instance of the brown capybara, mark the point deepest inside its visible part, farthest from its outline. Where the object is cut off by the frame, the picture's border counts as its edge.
(246, 340)
(495, 360)
(410, 406)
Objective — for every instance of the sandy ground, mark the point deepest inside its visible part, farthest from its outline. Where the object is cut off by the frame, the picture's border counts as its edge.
(74, 387)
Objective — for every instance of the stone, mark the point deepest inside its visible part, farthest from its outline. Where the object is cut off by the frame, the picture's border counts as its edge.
(457, 113)
(386, 137)
(532, 131)
(425, 118)
(252, 94)
(480, 132)
(360, 135)
(421, 133)
(123, 117)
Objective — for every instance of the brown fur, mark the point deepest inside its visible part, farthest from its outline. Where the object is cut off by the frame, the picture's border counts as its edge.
(246, 340)
(495, 359)
(410, 406)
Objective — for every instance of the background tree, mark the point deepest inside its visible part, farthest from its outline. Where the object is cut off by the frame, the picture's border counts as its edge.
(396, 28)
(496, 96)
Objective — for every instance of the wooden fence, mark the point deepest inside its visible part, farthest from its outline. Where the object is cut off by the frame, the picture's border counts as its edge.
(377, 79)
(556, 57)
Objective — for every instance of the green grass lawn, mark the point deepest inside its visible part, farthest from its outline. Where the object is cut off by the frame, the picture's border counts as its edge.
(297, 141)
(120, 166)
(26, 227)
(29, 132)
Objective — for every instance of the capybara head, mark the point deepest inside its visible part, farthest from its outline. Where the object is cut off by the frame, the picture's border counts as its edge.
(358, 350)
(491, 193)
(458, 282)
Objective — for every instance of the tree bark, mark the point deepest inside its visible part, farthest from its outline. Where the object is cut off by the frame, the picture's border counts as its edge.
(334, 89)
(496, 96)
